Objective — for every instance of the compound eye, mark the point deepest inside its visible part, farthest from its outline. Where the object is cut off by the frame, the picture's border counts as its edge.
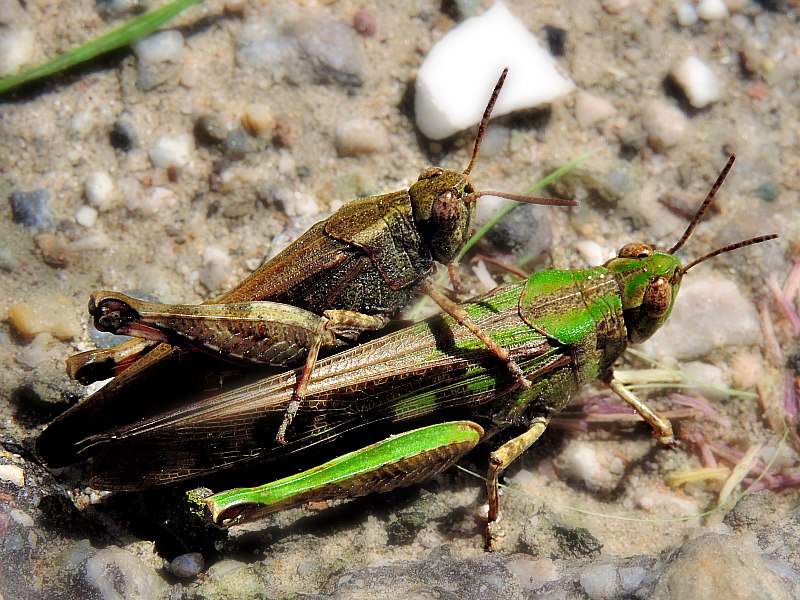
(430, 173)
(635, 251)
(446, 210)
(657, 298)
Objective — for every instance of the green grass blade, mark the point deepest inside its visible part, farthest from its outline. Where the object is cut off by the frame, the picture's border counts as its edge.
(122, 36)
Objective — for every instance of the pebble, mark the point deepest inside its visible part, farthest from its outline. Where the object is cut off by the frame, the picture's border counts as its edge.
(209, 130)
(591, 252)
(747, 369)
(476, 51)
(556, 39)
(712, 10)
(159, 57)
(13, 473)
(365, 22)
(36, 353)
(86, 216)
(333, 50)
(32, 210)
(172, 151)
(16, 49)
(115, 574)
(82, 123)
(216, 268)
(615, 7)
(707, 373)
(123, 135)
(664, 124)
(533, 573)
(121, 8)
(361, 136)
(37, 316)
(237, 144)
(705, 311)
(187, 565)
(100, 190)
(768, 192)
(599, 581)
(697, 81)
(591, 109)
(686, 14)
(258, 119)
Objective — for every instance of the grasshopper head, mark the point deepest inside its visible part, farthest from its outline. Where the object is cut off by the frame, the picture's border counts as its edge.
(649, 280)
(444, 209)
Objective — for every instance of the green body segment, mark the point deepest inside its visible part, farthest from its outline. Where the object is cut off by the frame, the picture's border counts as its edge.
(398, 461)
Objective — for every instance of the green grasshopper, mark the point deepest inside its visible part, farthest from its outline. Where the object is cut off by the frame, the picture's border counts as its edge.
(353, 271)
(401, 408)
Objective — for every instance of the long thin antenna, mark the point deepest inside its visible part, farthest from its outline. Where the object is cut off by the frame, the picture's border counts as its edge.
(737, 245)
(526, 199)
(486, 114)
(704, 206)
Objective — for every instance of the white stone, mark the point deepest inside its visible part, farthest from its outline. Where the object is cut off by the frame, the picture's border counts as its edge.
(16, 49)
(160, 47)
(12, 473)
(258, 119)
(100, 190)
(710, 312)
(712, 10)
(86, 216)
(591, 109)
(697, 81)
(172, 151)
(664, 124)
(591, 252)
(460, 71)
(361, 136)
(216, 269)
(686, 14)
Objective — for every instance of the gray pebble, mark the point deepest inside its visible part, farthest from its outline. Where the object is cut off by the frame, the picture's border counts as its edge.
(209, 130)
(187, 565)
(361, 136)
(159, 56)
(334, 51)
(32, 210)
(115, 573)
(121, 8)
(664, 124)
(599, 581)
(768, 192)
(123, 136)
(237, 144)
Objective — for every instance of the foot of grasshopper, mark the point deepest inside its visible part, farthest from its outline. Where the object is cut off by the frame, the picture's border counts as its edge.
(662, 428)
(461, 316)
(498, 462)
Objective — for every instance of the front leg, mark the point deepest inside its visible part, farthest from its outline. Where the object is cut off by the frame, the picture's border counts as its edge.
(463, 318)
(498, 462)
(662, 428)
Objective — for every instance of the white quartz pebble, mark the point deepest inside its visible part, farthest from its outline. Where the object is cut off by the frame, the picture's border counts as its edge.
(16, 49)
(712, 10)
(172, 151)
(459, 73)
(697, 81)
(160, 47)
(86, 216)
(100, 190)
(686, 14)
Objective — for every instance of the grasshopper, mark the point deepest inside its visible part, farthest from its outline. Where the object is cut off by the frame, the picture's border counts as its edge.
(347, 274)
(401, 408)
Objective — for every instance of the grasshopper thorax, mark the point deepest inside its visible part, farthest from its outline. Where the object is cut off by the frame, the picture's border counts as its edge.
(444, 208)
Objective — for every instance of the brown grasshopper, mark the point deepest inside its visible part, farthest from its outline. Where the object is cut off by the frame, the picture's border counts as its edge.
(353, 271)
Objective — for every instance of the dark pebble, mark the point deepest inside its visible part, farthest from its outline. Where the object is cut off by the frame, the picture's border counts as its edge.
(768, 192)
(237, 144)
(187, 565)
(122, 136)
(31, 209)
(556, 38)
(209, 130)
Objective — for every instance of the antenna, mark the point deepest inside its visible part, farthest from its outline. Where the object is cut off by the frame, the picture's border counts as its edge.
(486, 114)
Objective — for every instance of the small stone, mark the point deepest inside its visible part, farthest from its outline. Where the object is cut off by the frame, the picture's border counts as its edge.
(216, 268)
(258, 119)
(747, 369)
(114, 573)
(707, 373)
(365, 23)
(21, 517)
(615, 7)
(476, 51)
(82, 123)
(122, 136)
(237, 144)
(533, 573)
(209, 130)
(16, 49)
(54, 248)
(686, 14)
(32, 210)
(591, 109)
(333, 50)
(36, 353)
(100, 190)
(599, 581)
(172, 151)
(556, 39)
(86, 216)
(31, 319)
(631, 578)
(697, 81)
(712, 10)
(768, 192)
(361, 136)
(664, 124)
(591, 252)
(159, 58)
(187, 565)
(120, 8)
(13, 473)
